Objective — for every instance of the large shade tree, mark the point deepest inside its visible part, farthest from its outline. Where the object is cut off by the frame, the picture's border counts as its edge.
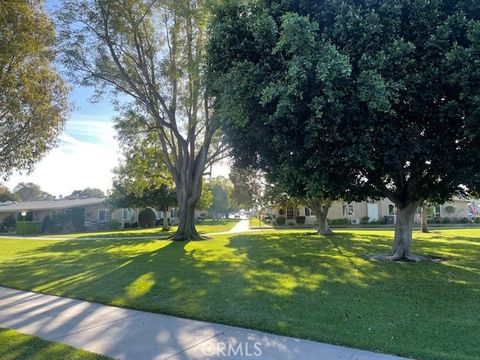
(393, 95)
(33, 100)
(269, 74)
(151, 54)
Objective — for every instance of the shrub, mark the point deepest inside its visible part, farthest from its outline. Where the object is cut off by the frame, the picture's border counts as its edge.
(463, 220)
(280, 220)
(78, 218)
(477, 220)
(300, 220)
(28, 227)
(113, 225)
(9, 222)
(446, 220)
(340, 221)
(47, 224)
(147, 218)
(134, 225)
(126, 225)
(365, 220)
(291, 223)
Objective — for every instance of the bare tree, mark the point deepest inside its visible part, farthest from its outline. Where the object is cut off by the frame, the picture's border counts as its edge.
(152, 53)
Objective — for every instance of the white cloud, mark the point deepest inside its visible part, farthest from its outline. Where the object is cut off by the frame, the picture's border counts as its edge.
(85, 157)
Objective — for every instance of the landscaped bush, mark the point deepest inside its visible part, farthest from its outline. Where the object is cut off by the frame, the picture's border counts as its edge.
(113, 225)
(446, 220)
(280, 220)
(365, 220)
(28, 227)
(9, 222)
(463, 220)
(300, 220)
(59, 222)
(340, 221)
(47, 224)
(477, 220)
(290, 223)
(147, 218)
(78, 218)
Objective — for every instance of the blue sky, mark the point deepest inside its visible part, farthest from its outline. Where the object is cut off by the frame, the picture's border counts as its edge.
(87, 150)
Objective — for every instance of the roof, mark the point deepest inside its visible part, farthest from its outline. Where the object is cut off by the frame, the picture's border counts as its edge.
(49, 204)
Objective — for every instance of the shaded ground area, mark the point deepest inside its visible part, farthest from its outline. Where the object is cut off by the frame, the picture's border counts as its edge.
(208, 226)
(292, 283)
(17, 346)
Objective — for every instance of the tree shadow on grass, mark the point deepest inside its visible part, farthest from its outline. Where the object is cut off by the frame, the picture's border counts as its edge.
(289, 283)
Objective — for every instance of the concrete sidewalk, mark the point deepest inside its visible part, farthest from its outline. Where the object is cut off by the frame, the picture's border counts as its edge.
(138, 335)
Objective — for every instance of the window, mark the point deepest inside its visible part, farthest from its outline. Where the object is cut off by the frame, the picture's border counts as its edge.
(348, 210)
(127, 214)
(436, 211)
(290, 213)
(308, 212)
(104, 215)
(172, 213)
(391, 210)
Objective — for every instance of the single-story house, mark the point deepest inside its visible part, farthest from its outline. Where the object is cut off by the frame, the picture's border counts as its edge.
(95, 210)
(382, 210)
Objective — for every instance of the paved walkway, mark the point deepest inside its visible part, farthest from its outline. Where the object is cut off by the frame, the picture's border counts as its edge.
(138, 335)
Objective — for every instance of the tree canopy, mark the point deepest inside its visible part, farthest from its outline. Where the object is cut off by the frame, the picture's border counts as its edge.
(151, 54)
(33, 101)
(141, 179)
(6, 194)
(86, 193)
(365, 98)
(30, 192)
(221, 189)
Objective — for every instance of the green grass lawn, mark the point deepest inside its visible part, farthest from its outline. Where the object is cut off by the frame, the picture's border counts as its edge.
(207, 226)
(17, 346)
(287, 282)
(255, 222)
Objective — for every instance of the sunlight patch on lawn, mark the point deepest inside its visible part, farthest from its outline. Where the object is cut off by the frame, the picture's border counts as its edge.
(141, 286)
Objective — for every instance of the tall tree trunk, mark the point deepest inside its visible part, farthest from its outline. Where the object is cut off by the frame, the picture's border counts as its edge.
(187, 199)
(186, 224)
(165, 227)
(424, 214)
(402, 242)
(320, 208)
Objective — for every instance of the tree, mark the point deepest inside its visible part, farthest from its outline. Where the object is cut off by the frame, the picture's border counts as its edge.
(269, 76)
(153, 53)
(141, 180)
(31, 192)
(5, 194)
(424, 217)
(247, 186)
(221, 190)
(33, 100)
(394, 93)
(86, 193)
(206, 199)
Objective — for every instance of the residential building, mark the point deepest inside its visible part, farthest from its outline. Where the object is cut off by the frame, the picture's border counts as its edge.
(379, 210)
